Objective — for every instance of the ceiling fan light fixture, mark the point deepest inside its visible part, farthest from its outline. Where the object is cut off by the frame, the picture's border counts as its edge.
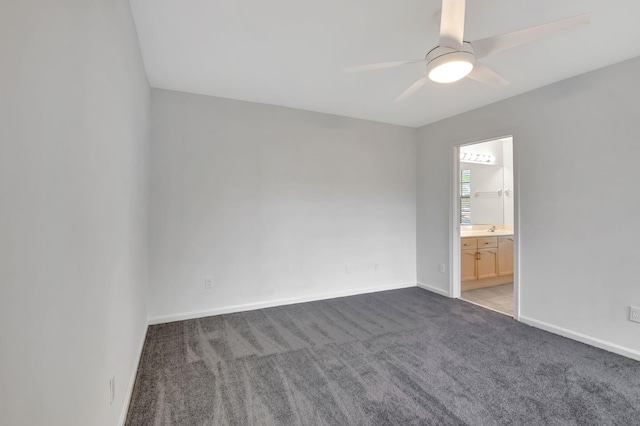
(449, 65)
(450, 72)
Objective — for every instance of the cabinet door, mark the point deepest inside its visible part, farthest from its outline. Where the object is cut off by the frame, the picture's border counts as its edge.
(468, 265)
(505, 256)
(487, 263)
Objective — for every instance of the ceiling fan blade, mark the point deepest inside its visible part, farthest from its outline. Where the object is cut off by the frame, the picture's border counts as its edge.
(486, 75)
(412, 89)
(381, 65)
(452, 23)
(491, 45)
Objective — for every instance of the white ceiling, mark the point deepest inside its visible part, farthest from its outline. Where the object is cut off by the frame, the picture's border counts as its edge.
(292, 52)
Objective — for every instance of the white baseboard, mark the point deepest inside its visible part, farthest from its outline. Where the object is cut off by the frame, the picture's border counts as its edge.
(132, 381)
(598, 343)
(271, 303)
(434, 289)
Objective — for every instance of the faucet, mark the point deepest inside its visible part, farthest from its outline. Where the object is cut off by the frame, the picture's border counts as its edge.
(492, 229)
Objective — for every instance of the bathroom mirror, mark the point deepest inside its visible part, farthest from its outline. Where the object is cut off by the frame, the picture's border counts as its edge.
(486, 183)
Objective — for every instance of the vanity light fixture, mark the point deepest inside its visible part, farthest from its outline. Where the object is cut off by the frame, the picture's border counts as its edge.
(470, 157)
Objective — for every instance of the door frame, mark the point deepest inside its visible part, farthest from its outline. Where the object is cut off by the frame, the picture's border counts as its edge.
(454, 225)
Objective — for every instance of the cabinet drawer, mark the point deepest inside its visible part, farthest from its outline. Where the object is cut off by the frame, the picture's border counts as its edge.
(487, 242)
(468, 243)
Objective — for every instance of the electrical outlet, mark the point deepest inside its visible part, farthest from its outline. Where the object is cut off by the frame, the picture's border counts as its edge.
(112, 389)
(443, 268)
(208, 283)
(634, 314)
(348, 268)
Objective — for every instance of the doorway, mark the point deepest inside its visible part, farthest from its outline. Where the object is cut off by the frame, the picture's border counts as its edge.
(485, 218)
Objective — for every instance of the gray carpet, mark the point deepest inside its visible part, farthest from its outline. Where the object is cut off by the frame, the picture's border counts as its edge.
(402, 357)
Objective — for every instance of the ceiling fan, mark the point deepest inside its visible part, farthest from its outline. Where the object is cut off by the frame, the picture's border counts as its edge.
(453, 58)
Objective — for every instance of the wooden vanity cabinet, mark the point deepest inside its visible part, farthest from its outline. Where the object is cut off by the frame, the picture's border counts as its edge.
(486, 261)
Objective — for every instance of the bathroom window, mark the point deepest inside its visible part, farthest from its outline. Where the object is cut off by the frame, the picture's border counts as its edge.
(465, 197)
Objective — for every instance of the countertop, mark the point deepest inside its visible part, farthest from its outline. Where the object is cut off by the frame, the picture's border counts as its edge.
(485, 233)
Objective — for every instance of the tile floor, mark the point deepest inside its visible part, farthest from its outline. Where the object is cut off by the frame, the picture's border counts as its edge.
(498, 298)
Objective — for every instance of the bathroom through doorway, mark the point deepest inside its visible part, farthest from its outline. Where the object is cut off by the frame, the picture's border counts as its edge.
(485, 213)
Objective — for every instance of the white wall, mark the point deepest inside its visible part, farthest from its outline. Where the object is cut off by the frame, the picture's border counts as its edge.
(271, 203)
(73, 146)
(576, 151)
